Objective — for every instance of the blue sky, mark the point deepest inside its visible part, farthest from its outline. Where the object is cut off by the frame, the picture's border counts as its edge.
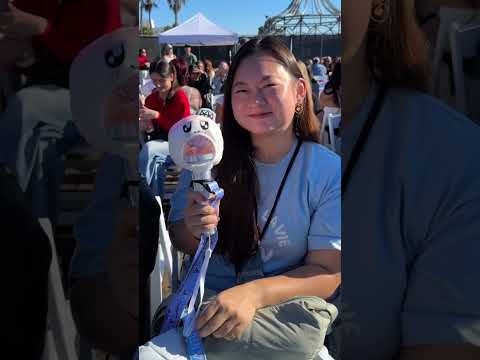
(241, 16)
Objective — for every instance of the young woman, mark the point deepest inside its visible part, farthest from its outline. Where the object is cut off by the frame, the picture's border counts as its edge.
(411, 197)
(261, 263)
(163, 108)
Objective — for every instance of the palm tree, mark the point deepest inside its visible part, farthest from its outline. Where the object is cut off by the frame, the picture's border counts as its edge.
(140, 10)
(176, 6)
(148, 6)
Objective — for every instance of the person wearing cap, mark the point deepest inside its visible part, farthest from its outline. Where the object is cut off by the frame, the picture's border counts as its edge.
(168, 54)
(199, 81)
(189, 57)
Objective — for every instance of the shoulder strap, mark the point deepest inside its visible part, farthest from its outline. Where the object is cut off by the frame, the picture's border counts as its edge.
(362, 138)
(280, 189)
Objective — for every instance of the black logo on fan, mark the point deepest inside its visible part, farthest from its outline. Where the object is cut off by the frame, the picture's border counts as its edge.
(207, 113)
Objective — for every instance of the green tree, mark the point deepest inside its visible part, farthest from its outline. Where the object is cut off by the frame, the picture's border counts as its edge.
(147, 5)
(176, 6)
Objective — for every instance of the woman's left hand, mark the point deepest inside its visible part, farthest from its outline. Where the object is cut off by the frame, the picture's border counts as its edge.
(229, 314)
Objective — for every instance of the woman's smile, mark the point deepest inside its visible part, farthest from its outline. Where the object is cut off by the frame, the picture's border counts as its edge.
(260, 115)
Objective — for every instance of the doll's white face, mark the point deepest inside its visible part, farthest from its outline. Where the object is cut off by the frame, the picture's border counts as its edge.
(196, 142)
(105, 68)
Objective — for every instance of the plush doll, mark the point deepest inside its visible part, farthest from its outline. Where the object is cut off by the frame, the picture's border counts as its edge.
(196, 143)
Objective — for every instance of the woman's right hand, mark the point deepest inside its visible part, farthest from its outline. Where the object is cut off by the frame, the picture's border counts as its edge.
(200, 217)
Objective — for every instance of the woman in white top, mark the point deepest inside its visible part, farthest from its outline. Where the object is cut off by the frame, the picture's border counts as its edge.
(168, 54)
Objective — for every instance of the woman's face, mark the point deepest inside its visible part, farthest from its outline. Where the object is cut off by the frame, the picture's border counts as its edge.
(201, 66)
(163, 84)
(264, 95)
(355, 19)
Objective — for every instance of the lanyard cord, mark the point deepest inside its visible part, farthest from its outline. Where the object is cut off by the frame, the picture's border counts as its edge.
(280, 189)
(363, 137)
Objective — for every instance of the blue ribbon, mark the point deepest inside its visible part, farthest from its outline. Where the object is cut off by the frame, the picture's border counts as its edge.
(177, 308)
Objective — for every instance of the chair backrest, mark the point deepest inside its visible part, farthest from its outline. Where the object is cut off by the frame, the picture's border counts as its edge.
(334, 124)
(465, 43)
(447, 17)
(163, 264)
(328, 138)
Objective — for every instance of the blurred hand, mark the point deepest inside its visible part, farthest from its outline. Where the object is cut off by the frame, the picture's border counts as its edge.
(200, 217)
(229, 314)
(18, 24)
(148, 114)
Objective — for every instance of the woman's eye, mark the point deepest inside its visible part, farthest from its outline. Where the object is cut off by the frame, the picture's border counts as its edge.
(270, 85)
(240, 91)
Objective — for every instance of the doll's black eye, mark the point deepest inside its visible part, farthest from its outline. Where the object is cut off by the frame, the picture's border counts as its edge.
(187, 127)
(204, 124)
(115, 57)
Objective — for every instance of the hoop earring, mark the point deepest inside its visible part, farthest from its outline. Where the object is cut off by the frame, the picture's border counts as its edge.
(380, 13)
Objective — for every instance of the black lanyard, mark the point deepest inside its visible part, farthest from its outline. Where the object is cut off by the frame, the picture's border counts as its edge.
(279, 191)
(363, 137)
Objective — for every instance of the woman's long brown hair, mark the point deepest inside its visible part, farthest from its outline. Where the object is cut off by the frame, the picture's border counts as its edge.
(238, 229)
(397, 49)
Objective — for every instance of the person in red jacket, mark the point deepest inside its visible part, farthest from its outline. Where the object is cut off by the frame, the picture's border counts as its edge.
(165, 106)
(143, 62)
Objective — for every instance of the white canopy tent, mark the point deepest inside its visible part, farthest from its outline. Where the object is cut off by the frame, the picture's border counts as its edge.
(198, 31)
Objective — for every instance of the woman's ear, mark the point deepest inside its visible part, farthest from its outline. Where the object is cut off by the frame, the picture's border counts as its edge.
(301, 90)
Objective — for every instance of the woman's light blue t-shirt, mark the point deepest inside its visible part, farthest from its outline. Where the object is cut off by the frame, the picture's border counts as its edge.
(308, 214)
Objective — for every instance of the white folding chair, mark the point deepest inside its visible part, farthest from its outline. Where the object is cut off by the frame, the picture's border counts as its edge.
(334, 124)
(163, 263)
(332, 121)
(61, 330)
(465, 43)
